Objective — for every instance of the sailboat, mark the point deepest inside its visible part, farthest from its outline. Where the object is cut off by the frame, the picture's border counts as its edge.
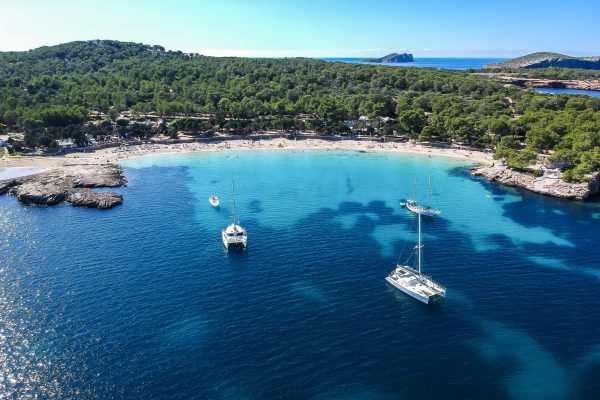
(234, 236)
(419, 209)
(412, 281)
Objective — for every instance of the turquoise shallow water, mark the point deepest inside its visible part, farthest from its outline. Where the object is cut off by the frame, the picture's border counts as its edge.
(593, 93)
(141, 301)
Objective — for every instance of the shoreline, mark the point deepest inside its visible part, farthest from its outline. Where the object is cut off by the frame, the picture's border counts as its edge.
(482, 162)
(540, 185)
(115, 154)
(550, 83)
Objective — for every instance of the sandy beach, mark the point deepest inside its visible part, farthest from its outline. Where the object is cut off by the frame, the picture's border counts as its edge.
(115, 154)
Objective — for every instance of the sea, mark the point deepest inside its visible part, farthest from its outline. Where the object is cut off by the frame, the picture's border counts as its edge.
(593, 93)
(432, 62)
(142, 301)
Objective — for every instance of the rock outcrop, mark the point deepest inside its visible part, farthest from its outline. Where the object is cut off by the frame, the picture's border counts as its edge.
(392, 58)
(541, 185)
(545, 60)
(70, 184)
(548, 83)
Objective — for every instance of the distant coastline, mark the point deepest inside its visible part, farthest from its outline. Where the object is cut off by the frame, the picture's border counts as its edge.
(547, 60)
(451, 63)
(393, 58)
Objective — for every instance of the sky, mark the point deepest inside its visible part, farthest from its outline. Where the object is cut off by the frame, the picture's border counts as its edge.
(312, 28)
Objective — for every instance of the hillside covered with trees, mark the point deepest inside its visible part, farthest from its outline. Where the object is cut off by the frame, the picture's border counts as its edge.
(50, 93)
(545, 60)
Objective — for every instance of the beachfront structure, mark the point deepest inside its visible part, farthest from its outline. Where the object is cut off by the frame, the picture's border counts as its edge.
(16, 136)
(66, 144)
(552, 173)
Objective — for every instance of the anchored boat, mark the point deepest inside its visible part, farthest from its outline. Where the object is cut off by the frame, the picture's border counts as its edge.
(413, 282)
(234, 236)
(413, 206)
(213, 200)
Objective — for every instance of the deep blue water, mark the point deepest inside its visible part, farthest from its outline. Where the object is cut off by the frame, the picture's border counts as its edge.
(443, 63)
(141, 301)
(592, 93)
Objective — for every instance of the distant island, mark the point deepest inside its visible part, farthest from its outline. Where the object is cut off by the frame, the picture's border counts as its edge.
(545, 60)
(391, 58)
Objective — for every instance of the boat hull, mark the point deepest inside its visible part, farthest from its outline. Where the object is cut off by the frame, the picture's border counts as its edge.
(214, 201)
(234, 243)
(428, 212)
(414, 295)
(416, 286)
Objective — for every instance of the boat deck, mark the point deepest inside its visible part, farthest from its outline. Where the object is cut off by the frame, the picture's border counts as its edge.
(421, 287)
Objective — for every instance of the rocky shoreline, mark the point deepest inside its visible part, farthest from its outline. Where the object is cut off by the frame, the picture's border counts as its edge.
(70, 184)
(546, 186)
(549, 83)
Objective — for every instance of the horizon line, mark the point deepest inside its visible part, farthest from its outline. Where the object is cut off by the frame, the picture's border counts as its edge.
(341, 53)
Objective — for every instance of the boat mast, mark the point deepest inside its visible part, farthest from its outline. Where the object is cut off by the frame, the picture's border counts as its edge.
(429, 191)
(415, 190)
(419, 246)
(233, 191)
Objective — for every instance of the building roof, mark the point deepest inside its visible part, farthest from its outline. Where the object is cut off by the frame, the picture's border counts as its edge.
(65, 142)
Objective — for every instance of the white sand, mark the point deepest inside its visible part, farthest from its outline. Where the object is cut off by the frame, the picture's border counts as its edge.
(111, 155)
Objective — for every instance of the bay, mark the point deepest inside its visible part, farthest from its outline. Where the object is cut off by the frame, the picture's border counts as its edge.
(593, 93)
(141, 301)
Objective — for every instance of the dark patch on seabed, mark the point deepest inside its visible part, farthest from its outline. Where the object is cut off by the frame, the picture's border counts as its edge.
(255, 206)
(149, 305)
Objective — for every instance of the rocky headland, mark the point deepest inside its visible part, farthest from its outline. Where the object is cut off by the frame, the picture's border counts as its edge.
(68, 184)
(547, 83)
(546, 186)
(392, 58)
(545, 60)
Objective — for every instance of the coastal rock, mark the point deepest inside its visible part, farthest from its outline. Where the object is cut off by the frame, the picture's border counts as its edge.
(5, 186)
(68, 184)
(548, 83)
(392, 58)
(545, 60)
(89, 198)
(541, 185)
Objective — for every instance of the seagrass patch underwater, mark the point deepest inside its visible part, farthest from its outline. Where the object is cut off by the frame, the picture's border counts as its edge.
(142, 301)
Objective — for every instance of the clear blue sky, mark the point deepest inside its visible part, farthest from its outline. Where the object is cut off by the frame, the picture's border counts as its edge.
(313, 28)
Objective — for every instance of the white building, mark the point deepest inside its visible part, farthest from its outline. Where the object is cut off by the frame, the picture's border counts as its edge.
(66, 144)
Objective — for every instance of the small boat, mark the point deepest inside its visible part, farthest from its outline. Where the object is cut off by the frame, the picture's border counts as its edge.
(413, 206)
(234, 236)
(214, 200)
(413, 282)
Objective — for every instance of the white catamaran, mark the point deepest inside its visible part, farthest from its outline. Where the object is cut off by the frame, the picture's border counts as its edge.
(419, 209)
(234, 236)
(413, 282)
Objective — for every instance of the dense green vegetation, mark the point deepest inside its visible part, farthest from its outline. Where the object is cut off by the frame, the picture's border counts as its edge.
(51, 91)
